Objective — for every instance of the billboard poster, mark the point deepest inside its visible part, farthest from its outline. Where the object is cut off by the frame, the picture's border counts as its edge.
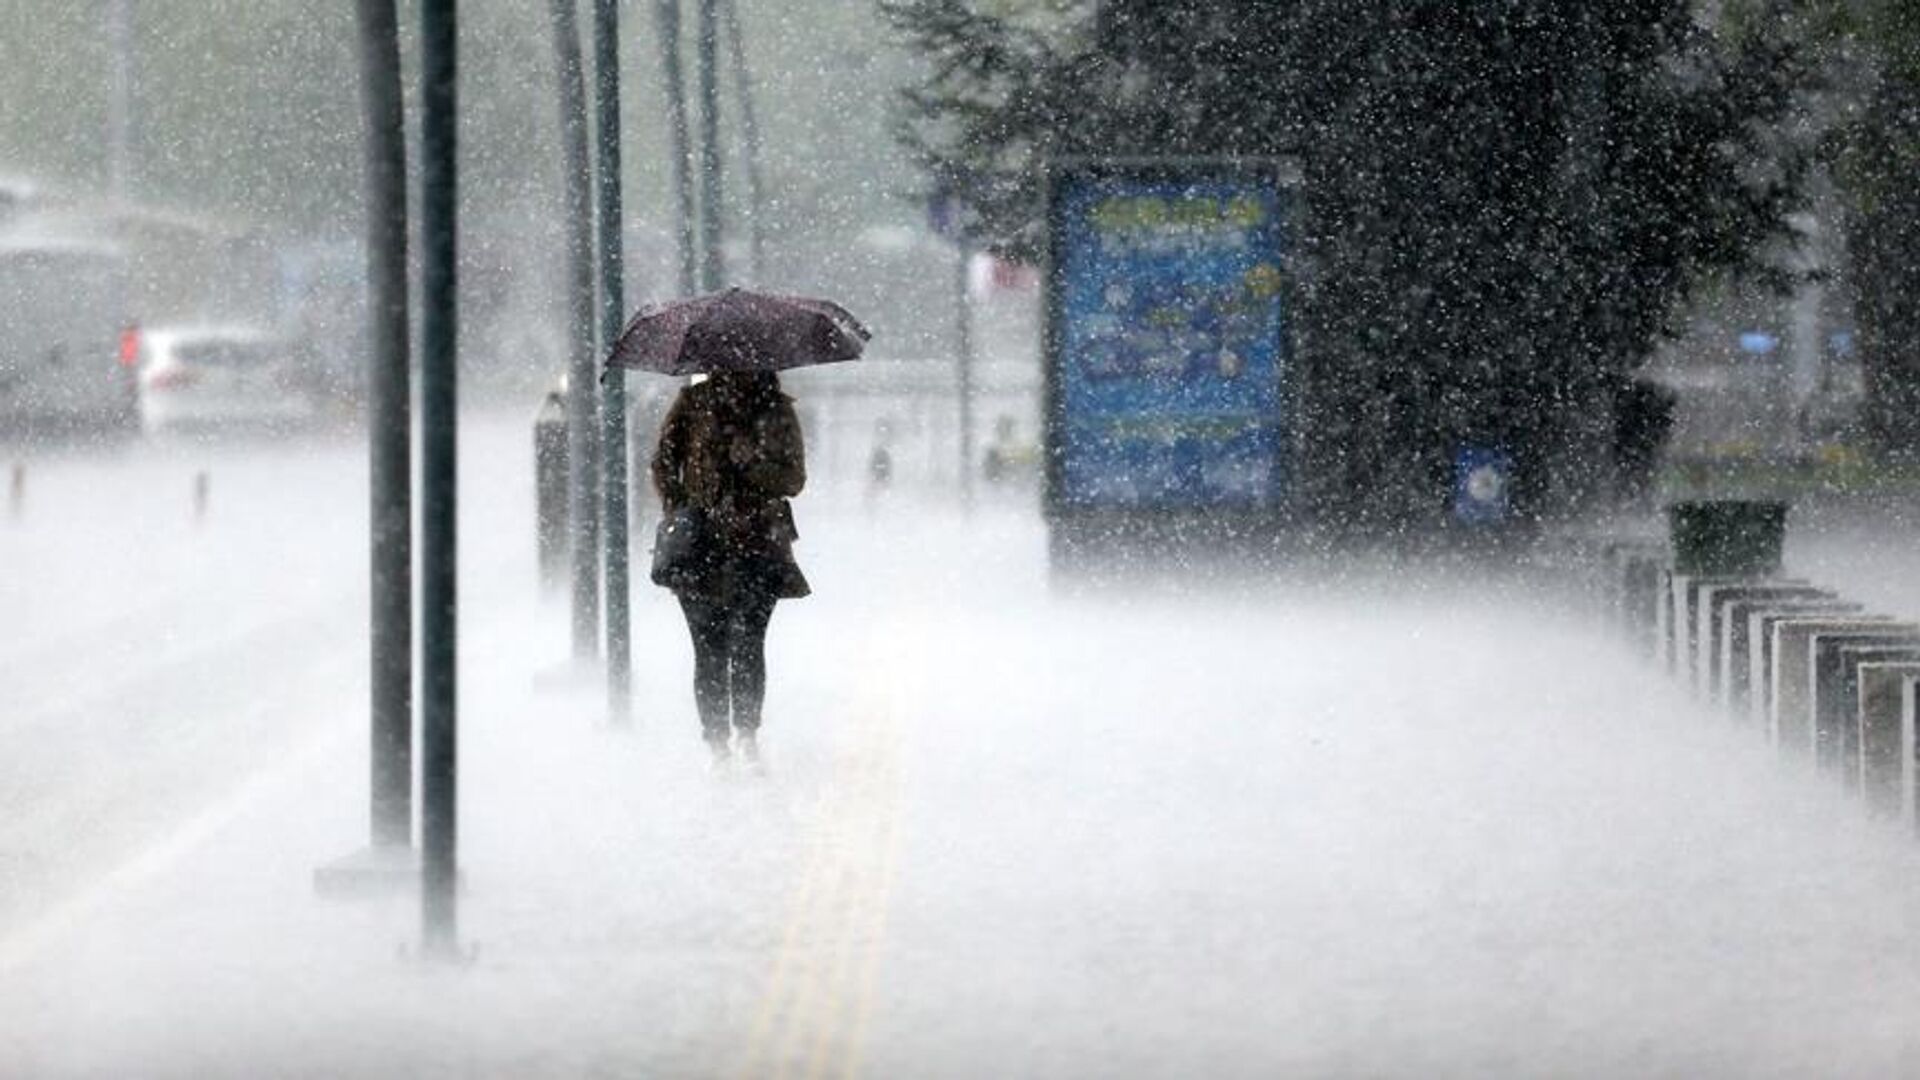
(1168, 364)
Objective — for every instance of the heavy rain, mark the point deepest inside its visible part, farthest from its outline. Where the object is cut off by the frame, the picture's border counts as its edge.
(958, 538)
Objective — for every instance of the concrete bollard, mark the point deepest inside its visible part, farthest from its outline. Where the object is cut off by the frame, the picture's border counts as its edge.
(550, 492)
(1682, 620)
(1692, 639)
(1741, 637)
(1617, 562)
(1725, 540)
(1882, 775)
(1762, 682)
(1641, 599)
(1630, 580)
(1663, 623)
(1794, 640)
(1610, 583)
(1716, 625)
(1843, 701)
(1909, 750)
(1836, 688)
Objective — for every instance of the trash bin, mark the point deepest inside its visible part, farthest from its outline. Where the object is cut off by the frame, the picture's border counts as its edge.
(550, 489)
(1727, 537)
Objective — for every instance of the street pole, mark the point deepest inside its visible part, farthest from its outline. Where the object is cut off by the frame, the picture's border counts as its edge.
(750, 134)
(119, 19)
(439, 444)
(666, 15)
(389, 427)
(963, 362)
(613, 301)
(707, 42)
(583, 488)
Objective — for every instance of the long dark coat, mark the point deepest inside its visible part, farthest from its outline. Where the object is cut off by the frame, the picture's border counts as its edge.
(740, 461)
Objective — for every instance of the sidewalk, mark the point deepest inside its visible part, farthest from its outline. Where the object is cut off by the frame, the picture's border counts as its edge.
(1365, 827)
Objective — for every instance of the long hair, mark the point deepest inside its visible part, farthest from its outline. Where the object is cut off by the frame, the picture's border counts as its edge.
(744, 393)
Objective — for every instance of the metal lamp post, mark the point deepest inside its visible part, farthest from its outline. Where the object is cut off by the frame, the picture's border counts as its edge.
(707, 50)
(613, 406)
(583, 434)
(439, 326)
(389, 862)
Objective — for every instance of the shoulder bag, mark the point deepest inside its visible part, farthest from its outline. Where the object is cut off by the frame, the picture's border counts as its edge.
(680, 547)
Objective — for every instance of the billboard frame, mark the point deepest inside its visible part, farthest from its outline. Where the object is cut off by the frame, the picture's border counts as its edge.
(1071, 523)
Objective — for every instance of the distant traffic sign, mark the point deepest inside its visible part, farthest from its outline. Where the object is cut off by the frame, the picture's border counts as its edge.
(1482, 486)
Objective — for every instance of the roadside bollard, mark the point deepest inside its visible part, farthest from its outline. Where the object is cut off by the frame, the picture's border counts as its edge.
(550, 490)
(1909, 806)
(1833, 689)
(17, 491)
(201, 491)
(1795, 654)
(1725, 610)
(1860, 711)
(1883, 773)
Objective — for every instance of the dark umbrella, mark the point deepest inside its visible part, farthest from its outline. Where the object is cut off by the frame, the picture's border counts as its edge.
(738, 330)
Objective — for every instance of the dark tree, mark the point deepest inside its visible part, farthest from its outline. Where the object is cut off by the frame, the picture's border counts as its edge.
(1506, 200)
(1872, 49)
(1883, 241)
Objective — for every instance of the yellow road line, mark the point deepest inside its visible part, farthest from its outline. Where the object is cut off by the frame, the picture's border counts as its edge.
(813, 1017)
(775, 995)
(857, 917)
(870, 972)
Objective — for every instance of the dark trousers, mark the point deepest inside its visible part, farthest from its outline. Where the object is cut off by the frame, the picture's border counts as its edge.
(729, 660)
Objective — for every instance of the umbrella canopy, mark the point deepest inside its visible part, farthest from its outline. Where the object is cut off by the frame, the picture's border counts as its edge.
(738, 330)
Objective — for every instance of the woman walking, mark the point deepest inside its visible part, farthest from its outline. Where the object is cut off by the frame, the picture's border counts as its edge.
(728, 459)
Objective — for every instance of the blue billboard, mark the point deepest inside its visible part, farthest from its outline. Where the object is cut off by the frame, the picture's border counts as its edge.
(1168, 365)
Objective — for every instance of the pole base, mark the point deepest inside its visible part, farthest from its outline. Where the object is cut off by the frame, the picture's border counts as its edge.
(386, 870)
(571, 676)
(439, 955)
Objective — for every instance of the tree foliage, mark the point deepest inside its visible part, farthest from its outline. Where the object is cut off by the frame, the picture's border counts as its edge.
(1871, 53)
(1506, 200)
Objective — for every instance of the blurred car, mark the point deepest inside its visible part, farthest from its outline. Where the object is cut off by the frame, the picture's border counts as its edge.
(204, 378)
